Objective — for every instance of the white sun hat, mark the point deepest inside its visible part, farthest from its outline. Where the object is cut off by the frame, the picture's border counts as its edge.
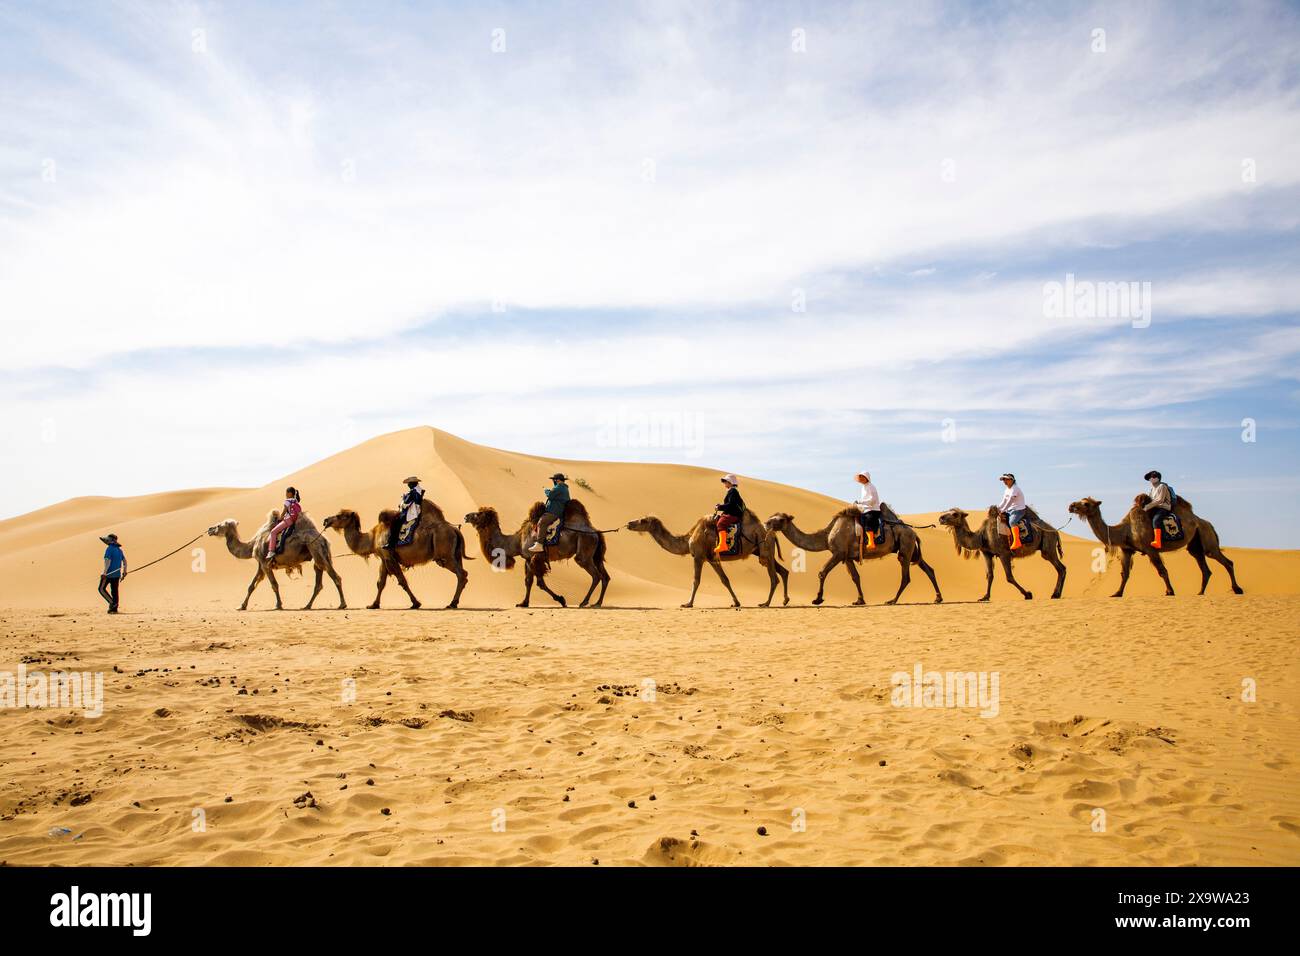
(731, 479)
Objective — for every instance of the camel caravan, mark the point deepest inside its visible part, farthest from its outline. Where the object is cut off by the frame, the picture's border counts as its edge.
(559, 528)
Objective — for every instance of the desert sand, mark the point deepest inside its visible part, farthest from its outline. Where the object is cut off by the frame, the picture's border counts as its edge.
(639, 733)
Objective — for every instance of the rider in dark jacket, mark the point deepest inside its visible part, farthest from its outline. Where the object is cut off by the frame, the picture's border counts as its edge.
(408, 510)
(730, 510)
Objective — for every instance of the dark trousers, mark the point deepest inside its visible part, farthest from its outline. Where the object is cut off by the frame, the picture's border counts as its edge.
(108, 589)
(1158, 516)
(870, 521)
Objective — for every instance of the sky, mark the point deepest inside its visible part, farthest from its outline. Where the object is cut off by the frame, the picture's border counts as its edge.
(938, 241)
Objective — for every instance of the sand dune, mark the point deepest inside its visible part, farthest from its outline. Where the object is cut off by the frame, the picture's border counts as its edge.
(503, 736)
(51, 557)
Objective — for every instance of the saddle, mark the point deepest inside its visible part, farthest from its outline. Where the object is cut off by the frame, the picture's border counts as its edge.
(1026, 530)
(553, 534)
(405, 532)
(1170, 527)
(860, 526)
(729, 541)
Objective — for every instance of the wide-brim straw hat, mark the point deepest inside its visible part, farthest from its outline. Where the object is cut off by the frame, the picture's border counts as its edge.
(559, 476)
(110, 539)
(410, 481)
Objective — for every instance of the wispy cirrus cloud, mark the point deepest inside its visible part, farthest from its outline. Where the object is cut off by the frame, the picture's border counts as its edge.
(672, 208)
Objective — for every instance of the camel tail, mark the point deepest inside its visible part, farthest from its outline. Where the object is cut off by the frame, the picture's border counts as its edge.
(460, 547)
(599, 556)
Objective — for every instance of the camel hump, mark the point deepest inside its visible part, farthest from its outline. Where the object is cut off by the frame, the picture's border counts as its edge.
(887, 512)
(387, 515)
(575, 512)
(431, 508)
(536, 511)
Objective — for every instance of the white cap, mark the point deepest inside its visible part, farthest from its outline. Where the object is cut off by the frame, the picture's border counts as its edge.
(731, 479)
(865, 474)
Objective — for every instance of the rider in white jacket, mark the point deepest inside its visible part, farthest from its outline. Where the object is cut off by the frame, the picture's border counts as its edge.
(869, 504)
(1013, 507)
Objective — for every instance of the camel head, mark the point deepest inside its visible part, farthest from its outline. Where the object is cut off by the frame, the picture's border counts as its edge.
(217, 530)
(645, 525)
(778, 522)
(343, 520)
(953, 518)
(483, 519)
(1085, 507)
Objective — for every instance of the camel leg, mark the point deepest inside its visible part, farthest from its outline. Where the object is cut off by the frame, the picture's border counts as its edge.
(338, 583)
(1011, 578)
(1056, 562)
(559, 598)
(1197, 550)
(588, 564)
(462, 577)
(379, 584)
(699, 566)
(821, 577)
(852, 568)
(257, 579)
(1164, 573)
(528, 584)
(1224, 560)
(1125, 568)
(320, 575)
(604, 583)
(401, 579)
(929, 573)
(275, 586)
(905, 578)
(988, 575)
(785, 583)
(717, 566)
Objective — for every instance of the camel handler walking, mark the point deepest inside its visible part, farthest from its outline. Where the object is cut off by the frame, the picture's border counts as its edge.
(408, 509)
(1160, 506)
(869, 504)
(1012, 507)
(557, 498)
(110, 579)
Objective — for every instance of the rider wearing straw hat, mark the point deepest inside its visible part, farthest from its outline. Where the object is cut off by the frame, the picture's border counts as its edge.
(408, 509)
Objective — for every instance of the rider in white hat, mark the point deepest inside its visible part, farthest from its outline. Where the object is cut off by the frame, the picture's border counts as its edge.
(869, 504)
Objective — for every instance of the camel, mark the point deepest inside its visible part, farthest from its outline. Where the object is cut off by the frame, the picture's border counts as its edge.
(304, 543)
(579, 541)
(1134, 534)
(435, 540)
(841, 538)
(991, 543)
(701, 543)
